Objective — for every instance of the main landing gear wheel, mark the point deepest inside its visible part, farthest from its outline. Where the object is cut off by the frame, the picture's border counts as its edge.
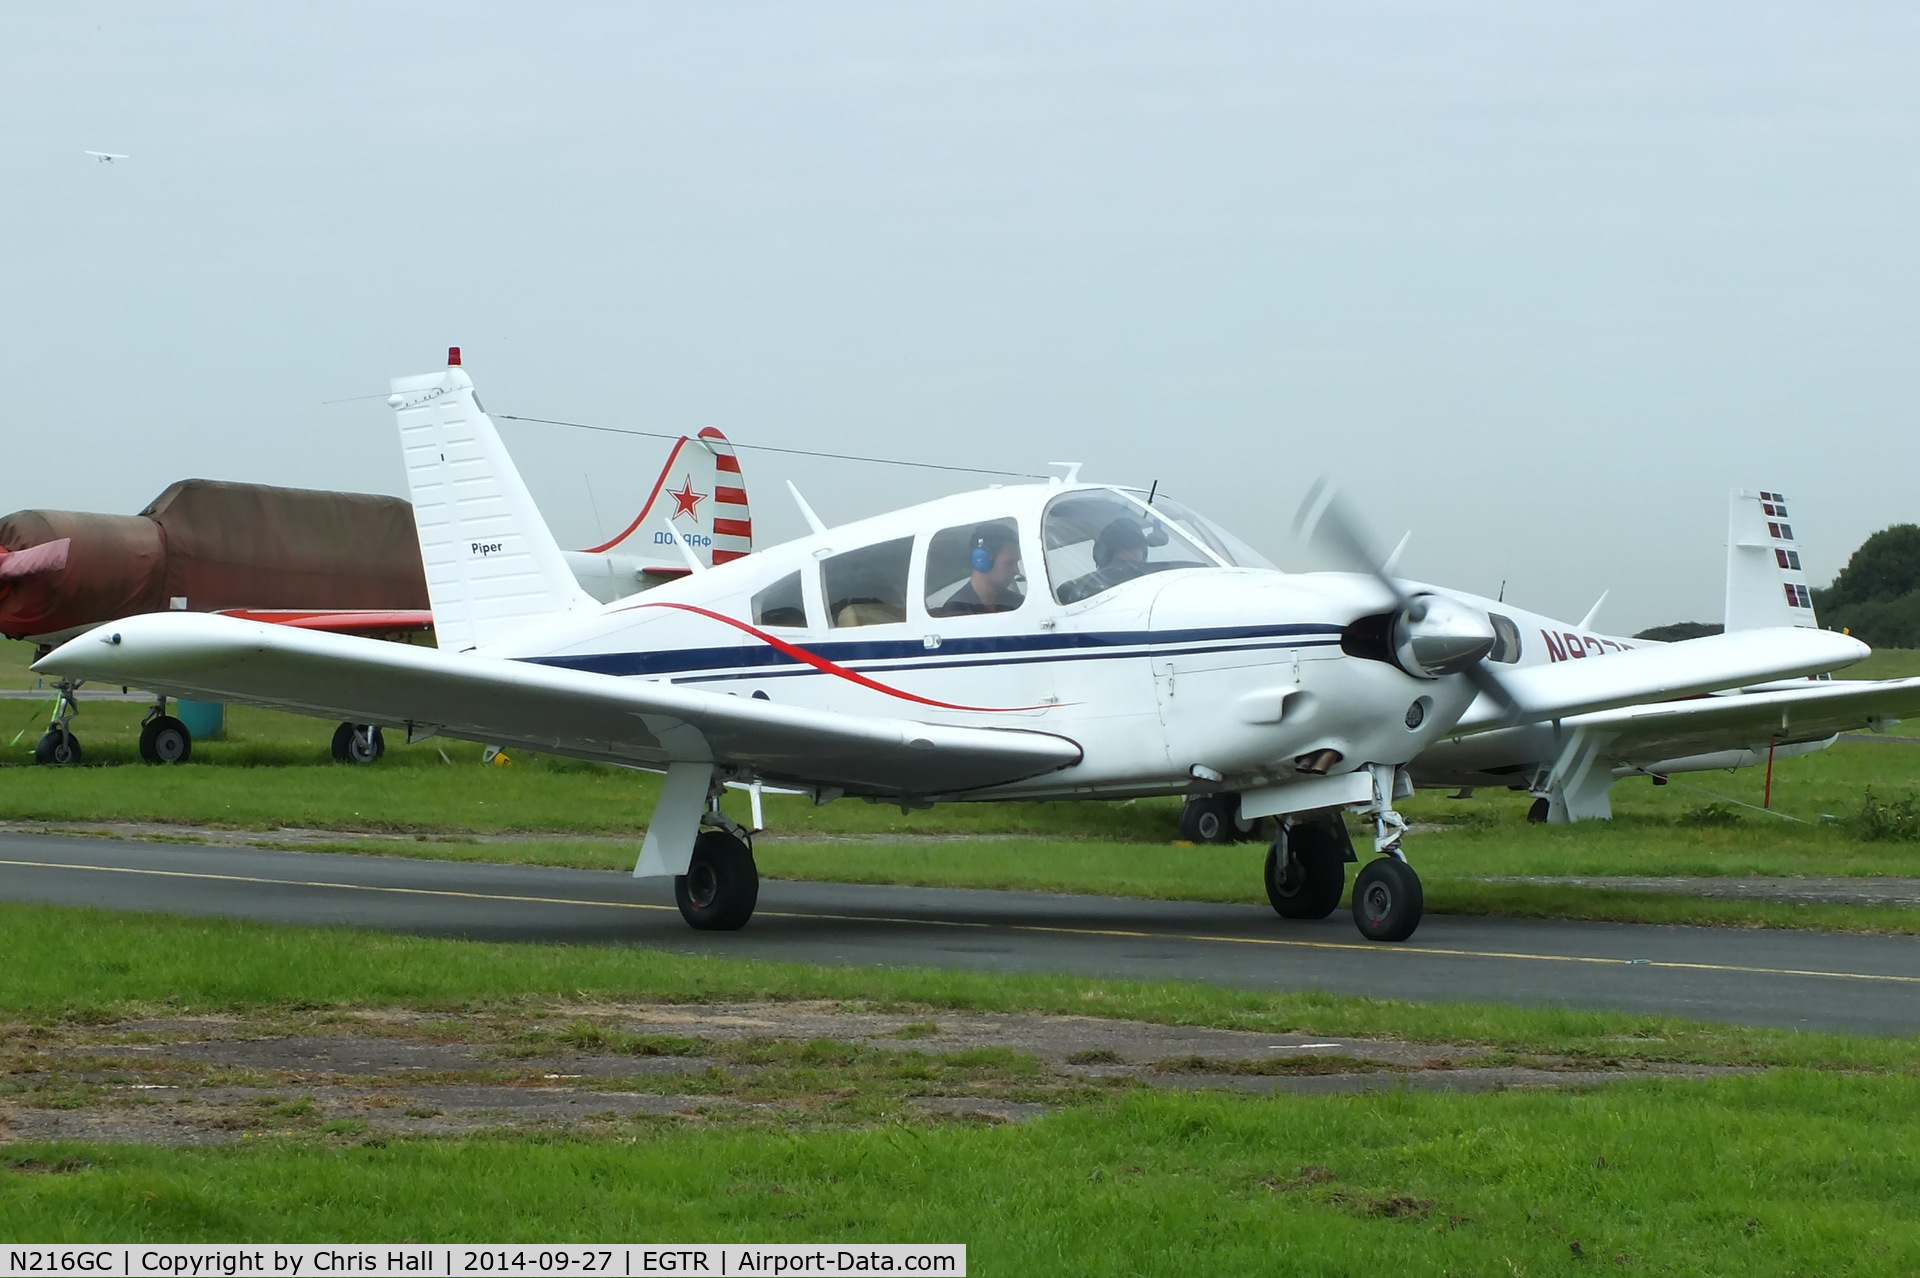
(360, 743)
(1307, 869)
(721, 885)
(57, 749)
(1209, 818)
(1387, 900)
(1537, 814)
(164, 739)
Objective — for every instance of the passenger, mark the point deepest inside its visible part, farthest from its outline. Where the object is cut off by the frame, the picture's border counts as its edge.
(990, 588)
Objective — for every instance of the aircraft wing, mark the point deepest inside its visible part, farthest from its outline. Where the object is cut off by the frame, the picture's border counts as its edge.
(1563, 689)
(1643, 735)
(591, 716)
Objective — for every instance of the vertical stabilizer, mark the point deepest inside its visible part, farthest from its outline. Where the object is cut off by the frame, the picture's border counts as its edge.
(492, 566)
(700, 494)
(1765, 583)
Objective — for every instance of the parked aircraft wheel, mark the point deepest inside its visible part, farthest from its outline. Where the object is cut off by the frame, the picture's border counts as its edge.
(721, 885)
(1315, 873)
(1208, 818)
(165, 739)
(358, 743)
(1537, 814)
(1387, 900)
(57, 749)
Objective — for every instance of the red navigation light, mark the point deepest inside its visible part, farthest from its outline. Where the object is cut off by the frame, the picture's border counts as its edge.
(453, 357)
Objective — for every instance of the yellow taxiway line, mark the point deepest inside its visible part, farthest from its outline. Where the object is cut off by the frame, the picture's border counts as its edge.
(1054, 929)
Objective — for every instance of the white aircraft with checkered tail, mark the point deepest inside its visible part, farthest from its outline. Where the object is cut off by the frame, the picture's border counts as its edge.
(1042, 641)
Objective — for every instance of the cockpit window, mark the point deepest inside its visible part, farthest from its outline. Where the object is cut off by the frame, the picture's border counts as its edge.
(975, 568)
(1230, 548)
(1097, 539)
(867, 587)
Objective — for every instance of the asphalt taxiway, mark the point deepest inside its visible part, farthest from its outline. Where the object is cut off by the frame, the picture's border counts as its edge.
(1802, 980)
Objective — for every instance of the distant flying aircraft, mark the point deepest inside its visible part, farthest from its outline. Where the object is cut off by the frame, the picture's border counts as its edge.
(1039, 641)
(108, 157)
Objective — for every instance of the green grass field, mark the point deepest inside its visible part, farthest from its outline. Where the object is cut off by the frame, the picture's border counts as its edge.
(1807, 1166)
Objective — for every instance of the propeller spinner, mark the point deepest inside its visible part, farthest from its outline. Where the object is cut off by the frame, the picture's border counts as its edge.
(1431, 636)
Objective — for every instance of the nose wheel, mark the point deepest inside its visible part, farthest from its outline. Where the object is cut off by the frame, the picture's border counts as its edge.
(1387, 900)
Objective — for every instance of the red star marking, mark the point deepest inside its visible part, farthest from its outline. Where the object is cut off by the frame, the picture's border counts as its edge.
(686, 501)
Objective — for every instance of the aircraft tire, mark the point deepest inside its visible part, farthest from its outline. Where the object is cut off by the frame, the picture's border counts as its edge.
(721, 885)
(1537, 814)
(1208, 818)
(164, 739)
(1315, 876)
(349, 746)
(1387, 900)
(57, 749)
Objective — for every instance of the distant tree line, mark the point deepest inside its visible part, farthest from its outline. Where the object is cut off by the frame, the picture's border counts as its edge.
(1876, 597)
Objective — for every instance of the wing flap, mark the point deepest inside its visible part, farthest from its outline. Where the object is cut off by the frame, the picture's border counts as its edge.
(591, 716)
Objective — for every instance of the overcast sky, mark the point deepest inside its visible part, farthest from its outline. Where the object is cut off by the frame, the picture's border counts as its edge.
(1539, 282)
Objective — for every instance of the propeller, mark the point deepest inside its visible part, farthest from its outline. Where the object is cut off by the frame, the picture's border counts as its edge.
(1432, 635)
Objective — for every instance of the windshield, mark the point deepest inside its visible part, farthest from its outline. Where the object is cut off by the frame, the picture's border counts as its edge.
(1099, 538)
(1209, 534)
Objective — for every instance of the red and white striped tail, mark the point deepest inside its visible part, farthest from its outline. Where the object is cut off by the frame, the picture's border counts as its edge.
(732, 522)
(701, 495)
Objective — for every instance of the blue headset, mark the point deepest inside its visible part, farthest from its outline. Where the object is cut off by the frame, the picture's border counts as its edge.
(982, 558)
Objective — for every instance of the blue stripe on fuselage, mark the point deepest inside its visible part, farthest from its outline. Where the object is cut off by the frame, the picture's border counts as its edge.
(750, 656)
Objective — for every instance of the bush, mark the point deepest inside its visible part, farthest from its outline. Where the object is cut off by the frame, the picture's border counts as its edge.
(1882, 822)
(1712, 814)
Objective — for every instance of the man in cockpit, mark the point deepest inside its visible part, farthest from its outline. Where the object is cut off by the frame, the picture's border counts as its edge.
(1119, 550)
(995, 563)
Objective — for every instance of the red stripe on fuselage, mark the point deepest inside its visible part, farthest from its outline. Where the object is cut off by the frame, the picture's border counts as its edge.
(821, 663)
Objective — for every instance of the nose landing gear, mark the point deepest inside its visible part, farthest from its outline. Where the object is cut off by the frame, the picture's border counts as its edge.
(1387, 898)
(58, 747)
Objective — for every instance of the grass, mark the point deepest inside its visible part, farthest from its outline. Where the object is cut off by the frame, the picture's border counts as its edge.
(1807, 1167)
(1788, 1173)
(79, 965)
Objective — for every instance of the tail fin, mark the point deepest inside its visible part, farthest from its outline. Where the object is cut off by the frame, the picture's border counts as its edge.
(492, 565)
(1765, 583)
(708, 508)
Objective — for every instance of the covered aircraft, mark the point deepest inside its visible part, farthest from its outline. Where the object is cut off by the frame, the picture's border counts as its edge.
(1056, 640)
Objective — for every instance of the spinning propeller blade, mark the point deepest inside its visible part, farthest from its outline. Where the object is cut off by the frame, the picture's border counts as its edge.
(1326, 520)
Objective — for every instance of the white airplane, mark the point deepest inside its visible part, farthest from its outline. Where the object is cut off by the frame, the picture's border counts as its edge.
(108, 157)
(1041, 641)
(1570, 766)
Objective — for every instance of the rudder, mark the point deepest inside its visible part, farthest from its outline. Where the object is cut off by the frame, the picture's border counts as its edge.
(493, 567)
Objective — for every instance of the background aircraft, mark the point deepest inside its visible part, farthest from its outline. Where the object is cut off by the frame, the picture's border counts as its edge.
(348, 563)
(1032, 641)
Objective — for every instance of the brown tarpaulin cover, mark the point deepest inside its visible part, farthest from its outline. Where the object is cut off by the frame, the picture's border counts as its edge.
(218, 545)
(249, 546)
(116, 567)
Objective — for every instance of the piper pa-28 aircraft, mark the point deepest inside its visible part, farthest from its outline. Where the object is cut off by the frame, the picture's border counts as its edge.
(1042, 641)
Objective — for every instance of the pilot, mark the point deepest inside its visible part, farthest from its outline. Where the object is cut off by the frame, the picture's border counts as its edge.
(995, 563)
(1120, 549)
